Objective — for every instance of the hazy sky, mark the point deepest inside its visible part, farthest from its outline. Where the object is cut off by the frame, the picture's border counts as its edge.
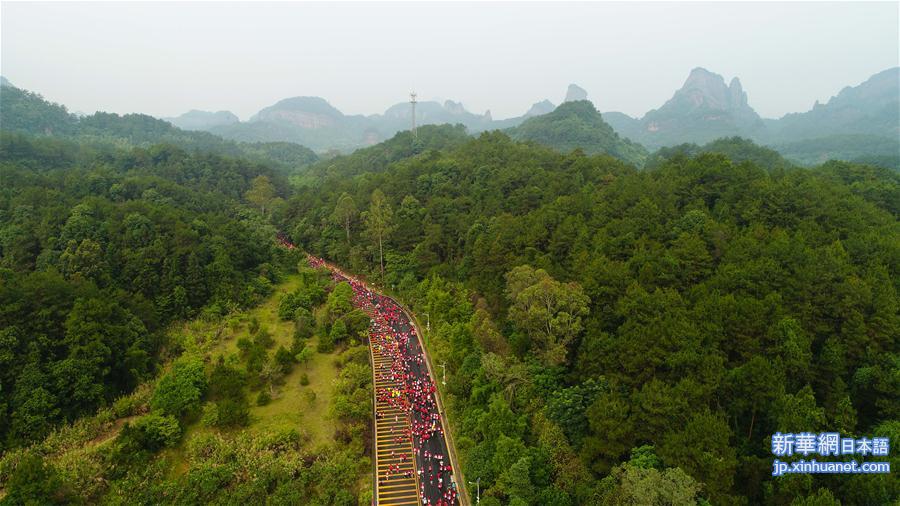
(166, 58)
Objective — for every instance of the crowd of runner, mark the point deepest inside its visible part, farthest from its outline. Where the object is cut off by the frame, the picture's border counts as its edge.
(392, 334)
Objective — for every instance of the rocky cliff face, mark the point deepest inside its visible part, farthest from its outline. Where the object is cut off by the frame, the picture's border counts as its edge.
(575, 93)
(706, 90)
(703, 109)
(738, 95)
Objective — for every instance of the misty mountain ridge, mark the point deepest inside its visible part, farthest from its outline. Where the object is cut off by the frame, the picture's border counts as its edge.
(871, 108)
(315, 123)
(203, 120)
(703, 109)
(860, 122)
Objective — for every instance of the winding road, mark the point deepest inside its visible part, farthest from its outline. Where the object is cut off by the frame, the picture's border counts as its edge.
(412, 460)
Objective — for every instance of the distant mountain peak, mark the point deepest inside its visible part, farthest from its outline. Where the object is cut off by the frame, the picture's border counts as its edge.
(707, 89)
(203, 120)
(454, 107)
(869, 108)
(538, 108)
(701, 73)
(575, 93)
(738, 95)
(317, 105)
(5, 82)
(304, 112)
(703, 109)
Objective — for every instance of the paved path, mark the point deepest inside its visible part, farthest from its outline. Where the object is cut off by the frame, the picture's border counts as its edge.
(412, 464)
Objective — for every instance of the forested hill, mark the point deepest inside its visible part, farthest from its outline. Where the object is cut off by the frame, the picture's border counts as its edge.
(737, 150)
(578, 125)
(100, 251)
(616, 336)
(27, 112)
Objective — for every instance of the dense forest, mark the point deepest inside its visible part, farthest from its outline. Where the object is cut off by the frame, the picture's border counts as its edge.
(623, 336)
(100, 252)
(149, 322)
(612, 334)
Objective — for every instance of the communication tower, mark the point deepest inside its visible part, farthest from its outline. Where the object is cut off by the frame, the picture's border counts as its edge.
(412, 102)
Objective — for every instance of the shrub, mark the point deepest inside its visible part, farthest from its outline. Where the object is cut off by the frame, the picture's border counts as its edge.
(210, 416)
(304, 324)
(337, 335)
(290, 303)
(304, 355)
(213, 312)
(284, 360)
(33, 482)
(226, 388)
(244, 345)
(138, 441)
(263, 398)
(326, 344)
(264, 338)
(232, 413)
(226, 382)
(253, 326)
(180, 390)
(157, 432)
(256, 358)
(304, 379)
(126, 406)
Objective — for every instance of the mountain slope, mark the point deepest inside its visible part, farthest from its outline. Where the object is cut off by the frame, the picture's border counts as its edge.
(860, 122)
(703, 109)
(28, 112)
(22, 111)
(578, 125)
(871, 108)
(314, 122)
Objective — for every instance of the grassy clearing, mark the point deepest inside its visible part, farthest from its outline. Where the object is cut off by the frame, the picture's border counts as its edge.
(293, 405)
(296, 404)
